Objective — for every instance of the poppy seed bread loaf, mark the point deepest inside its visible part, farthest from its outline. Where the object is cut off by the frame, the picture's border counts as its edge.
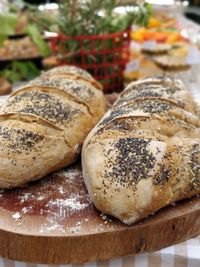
(145, 152)
(43, 125)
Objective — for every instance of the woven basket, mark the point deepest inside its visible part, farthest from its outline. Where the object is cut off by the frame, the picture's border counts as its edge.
(104, 56)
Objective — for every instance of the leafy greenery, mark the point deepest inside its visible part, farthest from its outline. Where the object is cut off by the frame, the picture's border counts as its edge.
(95, 18)
(36, 37)
(143, 14)
(75, 18)
(19, 71)
(91, 17)
(8, 22)
(44, 21)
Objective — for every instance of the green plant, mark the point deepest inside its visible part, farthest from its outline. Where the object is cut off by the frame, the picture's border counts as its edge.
(143, 14)
(77, 18)
(19, 71)
(8, 22)
(89, 18)
(33, 32)
(96, 18)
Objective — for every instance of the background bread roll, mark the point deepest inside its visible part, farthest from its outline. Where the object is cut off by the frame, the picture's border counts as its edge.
(52, 115)
(145, 152)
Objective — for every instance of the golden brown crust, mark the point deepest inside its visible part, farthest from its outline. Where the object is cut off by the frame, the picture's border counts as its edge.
(55, 90)
(145, 152)
(76, 73)
(42, 128)
(27, 118)
(93, 82)
(79, 90)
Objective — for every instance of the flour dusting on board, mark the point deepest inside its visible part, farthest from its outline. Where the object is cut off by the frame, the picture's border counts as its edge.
(24, 197)
(60, 199)
(71, 203)
(1, 192)
(16, 216)
(70, 174)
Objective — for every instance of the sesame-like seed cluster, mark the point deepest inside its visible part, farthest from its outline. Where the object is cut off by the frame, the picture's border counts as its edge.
(133, 162)
(153, 84)
(44, 105)
(19, 140)
(162, 176)
(76, 88)
(69, 70)
(151, 106)
(149, 92)
(195, 167)
(129, 160)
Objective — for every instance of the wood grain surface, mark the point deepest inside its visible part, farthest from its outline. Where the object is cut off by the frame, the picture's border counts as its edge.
(53, 221)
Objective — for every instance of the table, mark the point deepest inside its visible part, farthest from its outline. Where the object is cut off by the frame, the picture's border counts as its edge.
(185, 254)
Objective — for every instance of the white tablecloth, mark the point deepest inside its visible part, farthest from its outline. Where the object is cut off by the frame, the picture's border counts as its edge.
(185, 254)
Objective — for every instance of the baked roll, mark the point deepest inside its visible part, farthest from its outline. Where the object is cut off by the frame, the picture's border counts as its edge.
(145, 152)
(52, 115)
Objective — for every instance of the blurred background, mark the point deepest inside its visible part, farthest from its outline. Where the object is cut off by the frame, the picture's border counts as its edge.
(117, 41)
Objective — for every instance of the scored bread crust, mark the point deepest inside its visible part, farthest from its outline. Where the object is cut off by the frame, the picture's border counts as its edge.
(30, 148)
(57, 117)
(80, 89)
(145, 152)
(72, 72)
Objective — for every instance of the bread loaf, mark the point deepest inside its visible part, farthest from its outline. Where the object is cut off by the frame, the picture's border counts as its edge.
(145, 152)
(43, 125)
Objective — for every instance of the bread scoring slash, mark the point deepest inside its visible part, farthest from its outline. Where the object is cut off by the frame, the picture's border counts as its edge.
(145, 152)
(43, 125)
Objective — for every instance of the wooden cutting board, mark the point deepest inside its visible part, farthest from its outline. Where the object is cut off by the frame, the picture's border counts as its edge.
(53, 221)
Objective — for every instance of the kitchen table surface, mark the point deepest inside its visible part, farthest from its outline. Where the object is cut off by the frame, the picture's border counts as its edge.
(185, 254)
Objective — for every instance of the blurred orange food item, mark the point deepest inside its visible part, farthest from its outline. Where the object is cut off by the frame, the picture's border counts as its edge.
(138, 35)
(143, 34)
(153, 23)
(174, 37)
(157, 36)
(161, 28)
